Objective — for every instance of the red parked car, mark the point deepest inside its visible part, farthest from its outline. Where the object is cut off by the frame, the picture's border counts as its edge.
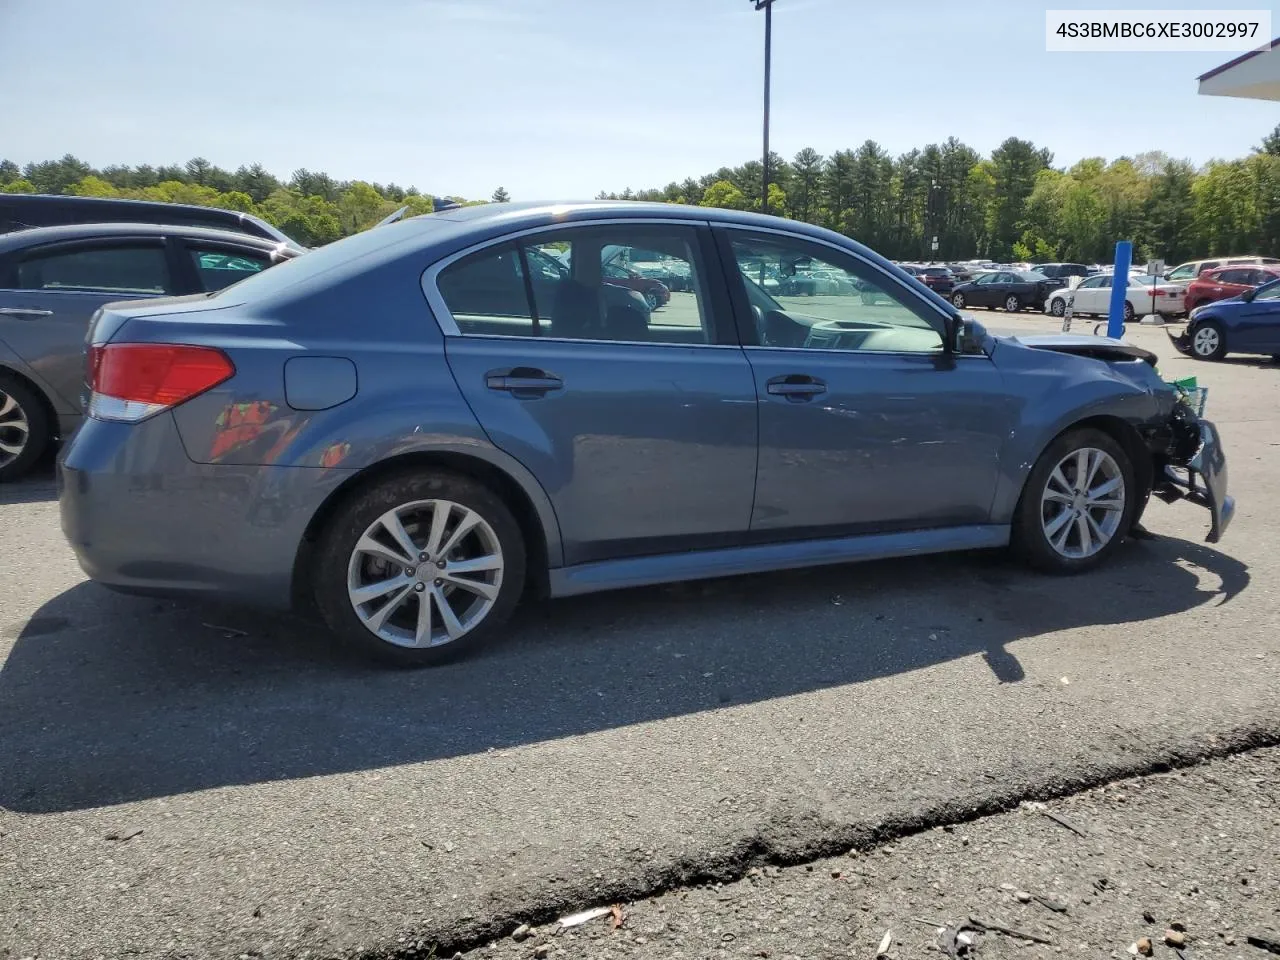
(655, 292)
(1222, 283)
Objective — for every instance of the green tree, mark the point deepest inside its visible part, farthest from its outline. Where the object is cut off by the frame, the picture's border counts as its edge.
(92, 186)
(8, 172)
(360, 207)
(722, 193)
(501, 196)
(21, 185)
(806, 185)
(1271, 142)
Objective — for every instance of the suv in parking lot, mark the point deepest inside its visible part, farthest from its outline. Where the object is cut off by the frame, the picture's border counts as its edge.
(21, 211)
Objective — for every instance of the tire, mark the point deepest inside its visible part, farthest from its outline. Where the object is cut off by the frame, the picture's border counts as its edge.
(1128, 313)
(1058, 307)
(1208, 342)
(1060, 548)
(651, 299)
(957, 301)
(1012, 304)
(414, 498)
(25, 427)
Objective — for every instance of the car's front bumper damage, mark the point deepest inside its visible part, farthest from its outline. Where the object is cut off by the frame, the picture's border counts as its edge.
(1194, 468)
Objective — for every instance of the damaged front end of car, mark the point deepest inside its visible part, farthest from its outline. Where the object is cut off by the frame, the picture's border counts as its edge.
(1187, 460)
(1190, 465)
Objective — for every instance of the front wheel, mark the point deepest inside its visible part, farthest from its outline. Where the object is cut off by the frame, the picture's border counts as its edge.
(1012, 304)
(1128, 312)
(1209, 342)
(419, 568)
(1078, 503)
(651, 299)
(25, 428)
(957, 301)
(1058, 307)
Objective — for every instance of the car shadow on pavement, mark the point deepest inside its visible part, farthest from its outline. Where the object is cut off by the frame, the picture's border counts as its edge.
(36, 488)
(108, 699)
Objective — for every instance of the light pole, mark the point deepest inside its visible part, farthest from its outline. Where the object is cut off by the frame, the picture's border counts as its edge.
(767, 7)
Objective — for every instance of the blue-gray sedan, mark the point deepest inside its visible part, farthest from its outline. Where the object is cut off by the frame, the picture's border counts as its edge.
(409, 429)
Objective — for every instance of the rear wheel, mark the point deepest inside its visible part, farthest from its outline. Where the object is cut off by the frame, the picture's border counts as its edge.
(25, 427)
(651, 299)
(1012, 304)
(419, 568)
(1208, 342)
(1128, 312)
(1077, 504)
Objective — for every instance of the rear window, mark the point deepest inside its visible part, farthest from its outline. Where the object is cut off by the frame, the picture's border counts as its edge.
(332, 256)
(218, 268)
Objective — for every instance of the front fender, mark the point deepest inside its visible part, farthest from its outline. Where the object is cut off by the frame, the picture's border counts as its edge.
(1072, 390)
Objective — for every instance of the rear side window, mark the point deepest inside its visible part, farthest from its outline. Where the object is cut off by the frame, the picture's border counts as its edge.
(221, 268)
(119, 268)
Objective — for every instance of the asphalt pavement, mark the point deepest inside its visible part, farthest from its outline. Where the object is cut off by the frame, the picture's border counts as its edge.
(1183, 860)
(190, 780)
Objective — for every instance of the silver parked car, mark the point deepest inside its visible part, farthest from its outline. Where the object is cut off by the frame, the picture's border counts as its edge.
(53, 279)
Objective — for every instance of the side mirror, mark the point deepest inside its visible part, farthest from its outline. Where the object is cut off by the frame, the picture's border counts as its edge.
(965, 337)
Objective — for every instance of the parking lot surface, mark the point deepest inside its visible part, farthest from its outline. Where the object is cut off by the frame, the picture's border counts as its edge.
(181, 779)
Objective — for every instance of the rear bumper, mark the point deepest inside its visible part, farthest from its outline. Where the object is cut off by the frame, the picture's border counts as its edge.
(143, 518)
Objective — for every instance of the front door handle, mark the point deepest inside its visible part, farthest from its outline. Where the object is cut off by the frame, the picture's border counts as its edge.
(523, 383)
(24, 312)
(796, 387)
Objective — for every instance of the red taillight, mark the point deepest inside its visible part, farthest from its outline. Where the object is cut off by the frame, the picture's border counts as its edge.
(130, 381)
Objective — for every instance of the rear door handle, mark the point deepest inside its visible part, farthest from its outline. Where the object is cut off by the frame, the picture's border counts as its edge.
(796, 387)
(24, 312)
(523, 383)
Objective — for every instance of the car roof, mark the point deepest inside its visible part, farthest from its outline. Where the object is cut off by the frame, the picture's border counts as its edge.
(32, 236)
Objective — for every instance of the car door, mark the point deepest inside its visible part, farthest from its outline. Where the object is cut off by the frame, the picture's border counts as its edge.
(1230, 282)
(866, 423)
(641, 430)
(986, 290)
(51, 291)
(1093, 295)
(1257, 323)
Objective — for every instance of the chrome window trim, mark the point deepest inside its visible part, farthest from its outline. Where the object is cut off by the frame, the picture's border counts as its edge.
(449, 326)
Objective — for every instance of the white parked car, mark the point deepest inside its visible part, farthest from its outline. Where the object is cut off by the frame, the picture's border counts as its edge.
(1145, 295)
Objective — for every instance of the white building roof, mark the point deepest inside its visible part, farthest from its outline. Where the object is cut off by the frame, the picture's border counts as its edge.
(1254, 75)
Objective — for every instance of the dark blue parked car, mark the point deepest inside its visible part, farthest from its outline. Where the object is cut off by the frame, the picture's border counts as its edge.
(1249, 323)
(408, 429)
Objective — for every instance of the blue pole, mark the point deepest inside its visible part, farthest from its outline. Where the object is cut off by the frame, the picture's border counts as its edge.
(1119, 284)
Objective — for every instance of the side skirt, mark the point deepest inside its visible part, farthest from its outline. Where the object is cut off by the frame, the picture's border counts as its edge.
(704, 564)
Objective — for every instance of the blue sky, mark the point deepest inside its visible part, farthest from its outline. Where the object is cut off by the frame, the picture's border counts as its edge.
(563, 98)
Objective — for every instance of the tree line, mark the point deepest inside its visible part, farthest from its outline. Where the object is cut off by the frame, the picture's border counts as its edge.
(311, 207)
(1012, 205)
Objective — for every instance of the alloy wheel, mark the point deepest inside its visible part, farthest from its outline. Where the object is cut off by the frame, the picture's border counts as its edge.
(1082, 503)
(957, 301)
(1206, 341)
(1058, 307)
(651, 299)
(1012, 304)
(425, 573)
(15, 429)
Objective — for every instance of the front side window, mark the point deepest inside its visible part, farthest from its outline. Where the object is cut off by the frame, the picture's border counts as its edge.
(988, 278)
(578, 284)
(1185, 272)
(221, 268)
(1091, 283)
(865, 310)
(119, 268)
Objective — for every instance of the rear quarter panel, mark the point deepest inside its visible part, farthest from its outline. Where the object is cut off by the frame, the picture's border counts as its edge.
(406, 399)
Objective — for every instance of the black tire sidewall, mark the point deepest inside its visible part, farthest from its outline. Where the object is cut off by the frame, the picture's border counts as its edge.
(1028, 538)
(39, 426)
(362, 508)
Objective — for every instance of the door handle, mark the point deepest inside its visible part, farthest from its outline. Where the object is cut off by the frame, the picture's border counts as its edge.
(24, 312)
(523, 383)
(796, 387)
